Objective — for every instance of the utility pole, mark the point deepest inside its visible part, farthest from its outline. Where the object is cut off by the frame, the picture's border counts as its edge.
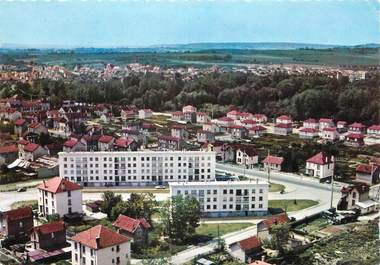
(332, 183)
(244, 161)
(268, 169)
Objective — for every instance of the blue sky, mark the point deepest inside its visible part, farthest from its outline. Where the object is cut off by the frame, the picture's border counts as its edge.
(137, 23)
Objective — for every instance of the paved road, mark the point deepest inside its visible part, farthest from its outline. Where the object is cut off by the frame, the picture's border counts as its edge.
(297, 187)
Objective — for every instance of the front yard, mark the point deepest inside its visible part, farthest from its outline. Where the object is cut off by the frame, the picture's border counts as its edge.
(291, 205)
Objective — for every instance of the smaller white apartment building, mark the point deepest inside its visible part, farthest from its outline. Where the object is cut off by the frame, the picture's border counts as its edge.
(100, 245)
(139, 168)
(226, 198)
(59, 196)
(321, 166)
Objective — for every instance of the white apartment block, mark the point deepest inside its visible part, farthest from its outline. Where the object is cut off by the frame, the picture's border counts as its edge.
(226, 198)
(136, 168)
(59, 196)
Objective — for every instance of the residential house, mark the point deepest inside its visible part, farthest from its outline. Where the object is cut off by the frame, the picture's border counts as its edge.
(59, 196)
(204, 136)
(125, 144)
(8, 154)
(137, 229)
(179, 131)
(246, 155)
(257, 131)
(234, 115)
(311, 123)
(351, 195)
(248, 123)
(308, 133)
(90, 141)
(283, 119)
(325, 123)
(246, 250)
(105, 143)
(16, 224)
(224, 121)
(320, 165)
(145, 113)
(127, 114)
(246, 116)
(37, 128)
(202, 117)
(223, 151)
(354, 139)
(10, 114)
(238, 132)
(73, 145)
(264, 226)
(283, 129)
(177, 116)
(100, 245)
(374, 130)
(32, 151)
(329, 134)
(168, 142)
(260, 118)
(190, 117)
(20, 126)
(211, 127)
(189, 108)
(50, 236)
(356, 127)
(368, 174)
(273, 163)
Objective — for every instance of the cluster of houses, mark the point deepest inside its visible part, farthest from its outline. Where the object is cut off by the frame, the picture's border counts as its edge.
(51, 241)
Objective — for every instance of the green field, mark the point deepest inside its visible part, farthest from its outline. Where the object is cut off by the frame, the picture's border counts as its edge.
(31, 203)
(292, 205)
(211, 230)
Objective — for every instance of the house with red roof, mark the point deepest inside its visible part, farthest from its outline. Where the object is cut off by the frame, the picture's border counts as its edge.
(49, 236)
(145, 113)
(105, 143)
(10, 114)
(211, 127)
(8, 154)
(246, 155)
(320, 166)
(246, 116)
(74, 145)
(31, 151)
(245, 249)
(224, 152)
(233, 114)
(37, 128)
(283, 129)
(224, 121)
(354, 139)
(202, 117)
(179, 131)
(237, 131)
(190, 117)
(356, 127)
(264, 226)
(168, 142)
(351, 195)
(325, 122)
(374, 130)
(204, 136)
(128, 114)
(257, 131)
(329, 134)
(16, 224)
(125, 144)
(273, 163)
(284, 119)
(59, 196)
(368, 174)
(101, 245)
(308, 133)
(137, 229)
(311, 123)
(20, 126)
(248, 123)
(177, 116)
(189, 108)
(260, 118)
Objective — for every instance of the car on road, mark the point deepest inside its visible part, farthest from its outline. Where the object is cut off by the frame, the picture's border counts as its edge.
(21, 189)
(160, 187)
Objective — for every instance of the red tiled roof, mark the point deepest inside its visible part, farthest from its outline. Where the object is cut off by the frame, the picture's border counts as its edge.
(257, 128)
(248, 122)
(178, 113)
(107, 237)
(168, 138)
(366, 168)
(308, 130)
(23, 142)
(129, 224)
(70, 143)
(8, 149)
(50, 227)
(310, 121)
(342, 122)
(237, 127)
(250, 150)
(325, 120)
(281, 218)
(357, 125)
(233, 112)
(250, 243)
(31, 147)
(329, 129)
(105, 139)
(374, 128)
(355, 136)
(57, 185)
(20, 122)
(259, 116)
(321, 159)
(225, 119)
(283, 125)
(245, 114)
(273, 160)
(284, 117)
(19, 213)
(123, 142)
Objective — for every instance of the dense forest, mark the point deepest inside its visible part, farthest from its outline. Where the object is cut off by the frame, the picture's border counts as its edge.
(300, 96)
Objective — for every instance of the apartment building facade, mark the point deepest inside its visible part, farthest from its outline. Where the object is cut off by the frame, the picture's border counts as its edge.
(226, 198)
(140, 168)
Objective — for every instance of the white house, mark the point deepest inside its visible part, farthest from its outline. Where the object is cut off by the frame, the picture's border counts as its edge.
(234, 115)
(374, 130)
(105, 143)
(226, 198)
(325, 123)
(100, 245)
(59, 196)
(329, 134)
(320, 165)
(243, 249)
(246, 155)
(273, 163)
(32, 151)
(136, 168)
(368, 174)
(308, 133)
(310, 123)
(204, 136)
(189, 108)
(260, 118)
(145, 113)
(179, 131)
(202, 117)
(283, 119)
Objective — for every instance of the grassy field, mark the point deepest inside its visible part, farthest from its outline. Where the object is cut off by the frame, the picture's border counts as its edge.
(275, 187)
(32, 203)
(291, 205)
(211, 230)
(126, 190)
(22, 184)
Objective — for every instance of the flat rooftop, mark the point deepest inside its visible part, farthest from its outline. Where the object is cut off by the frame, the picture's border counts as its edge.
(219, 183)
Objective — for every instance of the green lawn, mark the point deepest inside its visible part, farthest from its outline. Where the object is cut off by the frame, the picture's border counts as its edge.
(275, 187)
(32, 203)
(16, 185)
(291, 205)
(211, 230)
(126, 190)
(314, 225)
